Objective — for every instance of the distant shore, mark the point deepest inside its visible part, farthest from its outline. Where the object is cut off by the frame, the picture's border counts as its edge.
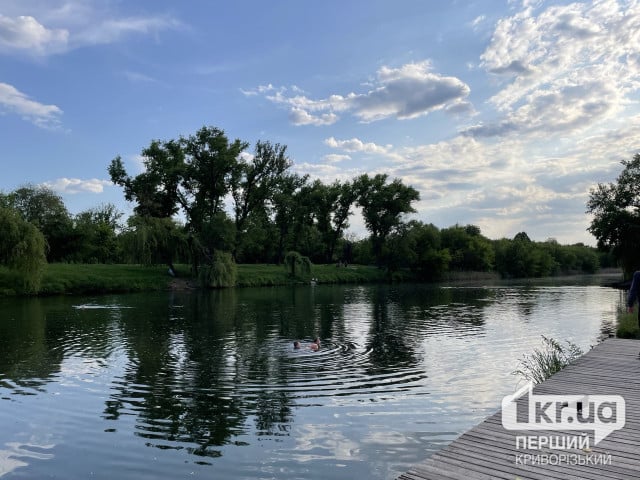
(77, 279)
(66, 279)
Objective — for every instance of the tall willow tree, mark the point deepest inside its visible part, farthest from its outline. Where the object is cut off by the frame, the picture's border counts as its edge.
(22, 248)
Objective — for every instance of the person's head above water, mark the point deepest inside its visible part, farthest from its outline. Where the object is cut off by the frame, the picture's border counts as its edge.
(315, 345)
(296, 345)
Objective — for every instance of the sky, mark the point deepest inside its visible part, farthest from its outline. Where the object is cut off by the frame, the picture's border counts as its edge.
(501, 113)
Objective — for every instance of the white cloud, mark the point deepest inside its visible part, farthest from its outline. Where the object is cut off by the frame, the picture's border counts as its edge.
(336, 158)
(478, 21)
(113, 30)
(14, 101)
(260, 89)
(137, 77)
(565, 68)
(25, 33)
(357, 145)
(42, 29)
(76, 185)
(403, 93)
(298, 116)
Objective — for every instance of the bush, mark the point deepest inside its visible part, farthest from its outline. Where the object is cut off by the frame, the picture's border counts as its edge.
(297, 265)
(222, 272)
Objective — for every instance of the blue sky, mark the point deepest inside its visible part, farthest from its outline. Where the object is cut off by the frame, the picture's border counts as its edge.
(503, 114)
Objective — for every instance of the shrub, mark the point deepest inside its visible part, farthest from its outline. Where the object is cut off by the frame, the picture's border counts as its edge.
(222, 272)
(297, 265)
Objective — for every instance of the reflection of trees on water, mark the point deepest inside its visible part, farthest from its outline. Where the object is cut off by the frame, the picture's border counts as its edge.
(404, 315)
(389, 340)
(38, 334)
(204, 369)
(28, 359)
(198, 379)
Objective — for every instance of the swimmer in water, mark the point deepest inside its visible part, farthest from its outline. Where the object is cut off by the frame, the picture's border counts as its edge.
(315, 346)
(296, 345)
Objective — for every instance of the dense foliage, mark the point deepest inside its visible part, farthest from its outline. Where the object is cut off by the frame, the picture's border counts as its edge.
(22, 249)
(616, 215)
(205, 201)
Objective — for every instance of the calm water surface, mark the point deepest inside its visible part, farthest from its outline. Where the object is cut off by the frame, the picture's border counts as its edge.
(184, 385)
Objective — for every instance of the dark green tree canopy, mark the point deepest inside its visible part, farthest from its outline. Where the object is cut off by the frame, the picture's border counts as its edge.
(22, 248)
(616, 215)
(42, 207)
(383, 205)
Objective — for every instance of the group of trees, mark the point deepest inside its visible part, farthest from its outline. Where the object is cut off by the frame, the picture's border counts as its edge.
(37, 228)
(205, 201)
(431, 252)
(252, 206)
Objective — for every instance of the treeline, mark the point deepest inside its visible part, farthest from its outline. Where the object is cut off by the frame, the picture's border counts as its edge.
(203, 200)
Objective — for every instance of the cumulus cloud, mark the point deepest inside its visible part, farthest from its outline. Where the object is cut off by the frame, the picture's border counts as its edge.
(407, 92)
(76, 185)
(55, 27)
(357, 145)
(565, 67)
(25, 33)
(298, 116)
(14, 101)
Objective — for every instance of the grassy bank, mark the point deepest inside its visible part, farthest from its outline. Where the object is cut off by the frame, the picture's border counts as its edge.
(627, 325)
(265, 275)
(60, 278)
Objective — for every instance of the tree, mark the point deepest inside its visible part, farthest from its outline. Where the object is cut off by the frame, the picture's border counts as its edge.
(192, 174)
(331, 208)
(297, 265)
(254, 183)
(468, 248)
(157, 190)
(383, 205)
(616, 215)
(22, 248)
(221, 272)
(430, 260)
(97, 235)
(212, 165)
(285, 204)
(522, 258)
(42, 207)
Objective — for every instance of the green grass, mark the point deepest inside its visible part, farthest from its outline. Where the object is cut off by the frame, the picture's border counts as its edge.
(269, 275)
(627, 325)
(60, 278)
(63, 278)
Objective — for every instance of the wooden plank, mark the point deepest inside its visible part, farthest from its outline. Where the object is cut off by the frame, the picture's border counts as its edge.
(488, 451)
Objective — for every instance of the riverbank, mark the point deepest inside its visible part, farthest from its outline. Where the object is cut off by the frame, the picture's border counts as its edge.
(63, 278)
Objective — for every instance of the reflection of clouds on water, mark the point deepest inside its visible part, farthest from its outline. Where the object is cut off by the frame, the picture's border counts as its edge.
(15, 455)
(322, 442)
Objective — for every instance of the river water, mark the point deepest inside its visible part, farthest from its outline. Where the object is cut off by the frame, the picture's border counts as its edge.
(207, 385)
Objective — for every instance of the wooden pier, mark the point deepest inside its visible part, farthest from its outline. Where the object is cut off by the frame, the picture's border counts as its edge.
(490, 451)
